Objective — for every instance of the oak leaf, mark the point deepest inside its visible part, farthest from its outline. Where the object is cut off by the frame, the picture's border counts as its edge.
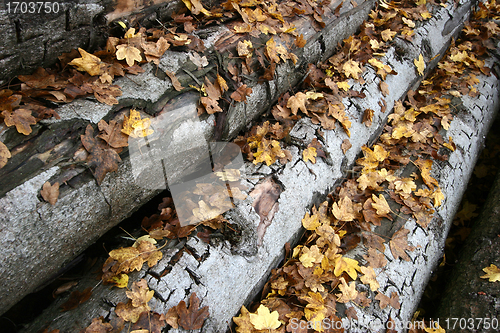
(154, 51)
(375, 259)
(388, 35)
(310, 222)
(297, 102)
(343, 209)
(264, 319)
(50, 193)
(310, 256)
(192, 318)
(21, 118)
(244, 48)
(139, 296)
(492, 273)
(149, 323)
(106, 93)
(271, 51)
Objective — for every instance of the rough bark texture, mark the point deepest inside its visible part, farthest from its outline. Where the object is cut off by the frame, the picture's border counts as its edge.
(37, 239)
(225, 275)
(32, 40)
(483, 297)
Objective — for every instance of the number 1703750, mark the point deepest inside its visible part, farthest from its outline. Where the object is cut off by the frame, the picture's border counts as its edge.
(32, 7)
(471, 323)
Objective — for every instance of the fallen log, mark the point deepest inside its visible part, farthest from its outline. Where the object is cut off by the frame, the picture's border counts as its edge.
(38, 239)
(225, 276)
(479, 313)
(35, 37)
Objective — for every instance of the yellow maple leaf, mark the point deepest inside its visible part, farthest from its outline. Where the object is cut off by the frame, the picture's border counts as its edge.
(309, 154)
(351, 69)
(426, 15)
(129, 53)
(437, 196)
(314, 95)
(222, 83)
(405, 185)
(492, 273)
(310, 222)
(344, 85)
(348, 265)
(271, 50)
(87, 63)
(264, 319)
(420, 64)
(131, 33)
(310, 256)
(136, 127)
(243, 321)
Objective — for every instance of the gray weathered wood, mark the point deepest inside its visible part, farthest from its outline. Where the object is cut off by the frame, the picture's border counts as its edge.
(37, 239)
(230, 275)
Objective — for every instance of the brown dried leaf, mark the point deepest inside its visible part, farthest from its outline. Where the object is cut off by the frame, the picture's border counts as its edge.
(192, 318)
(50, 193)
(21, 118)
(240, 95)
(102, 160)
(375, 259)
(76, 298)
(112, 134)
(399, 243)
(346, 145)
(384, 300)
(175, 82)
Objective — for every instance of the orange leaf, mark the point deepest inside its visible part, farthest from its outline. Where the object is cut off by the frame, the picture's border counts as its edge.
(240, 95)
